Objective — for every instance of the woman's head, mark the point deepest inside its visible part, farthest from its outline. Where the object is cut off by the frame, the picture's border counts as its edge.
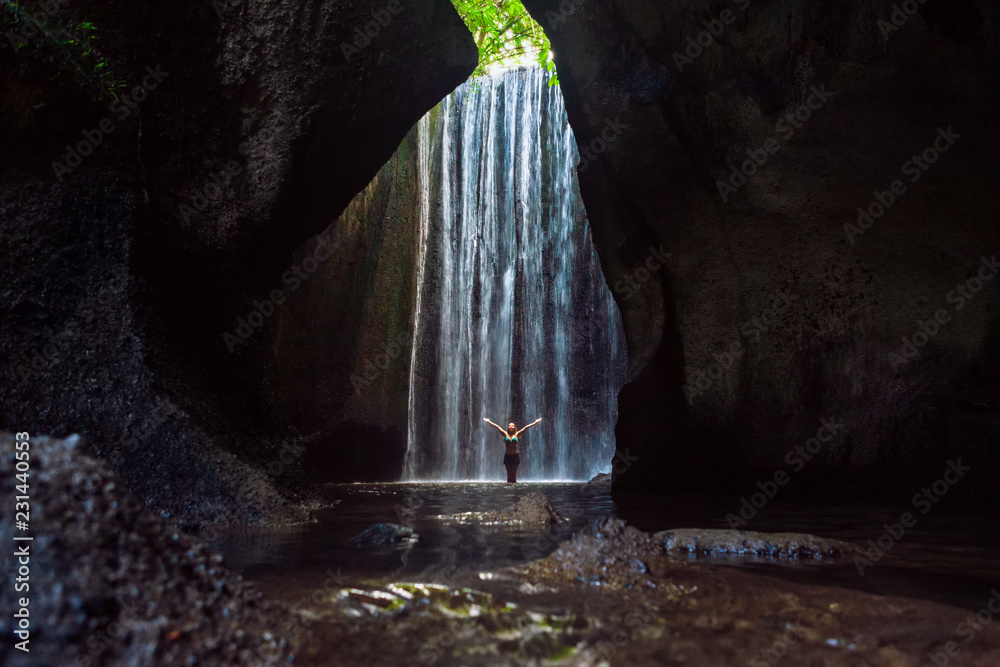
(511, 428)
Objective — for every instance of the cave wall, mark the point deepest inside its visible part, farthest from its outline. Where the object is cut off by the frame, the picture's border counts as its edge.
(715, 396)
(127, 271)
(344, 339)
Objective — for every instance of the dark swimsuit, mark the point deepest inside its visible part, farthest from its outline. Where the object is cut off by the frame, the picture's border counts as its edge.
(511, 459)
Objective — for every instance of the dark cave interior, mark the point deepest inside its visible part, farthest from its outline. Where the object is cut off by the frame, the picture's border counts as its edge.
(792, 204)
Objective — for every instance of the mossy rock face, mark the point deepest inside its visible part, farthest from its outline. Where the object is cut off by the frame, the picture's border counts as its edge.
(464, 623)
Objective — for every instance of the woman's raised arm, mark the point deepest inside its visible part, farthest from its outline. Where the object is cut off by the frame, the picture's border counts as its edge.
(527, 427)
(496, 426)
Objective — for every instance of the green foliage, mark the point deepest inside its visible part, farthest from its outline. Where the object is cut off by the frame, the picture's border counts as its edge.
(505, 33)
(43, 30)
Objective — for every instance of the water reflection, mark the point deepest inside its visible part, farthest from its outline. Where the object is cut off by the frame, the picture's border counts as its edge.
(443, 545)
(949, 559)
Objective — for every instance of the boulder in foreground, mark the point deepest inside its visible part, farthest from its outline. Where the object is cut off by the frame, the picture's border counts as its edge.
(112, 583)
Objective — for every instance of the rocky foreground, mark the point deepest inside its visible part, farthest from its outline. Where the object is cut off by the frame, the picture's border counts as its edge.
(113, 583)
(613, 595)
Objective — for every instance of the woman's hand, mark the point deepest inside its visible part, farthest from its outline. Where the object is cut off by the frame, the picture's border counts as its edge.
(496, 426)
(528, 426)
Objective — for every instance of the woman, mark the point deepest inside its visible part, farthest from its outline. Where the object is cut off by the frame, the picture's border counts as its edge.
(511, 459)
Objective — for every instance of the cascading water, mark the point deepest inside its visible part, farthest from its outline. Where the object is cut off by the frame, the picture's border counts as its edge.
(513, 318)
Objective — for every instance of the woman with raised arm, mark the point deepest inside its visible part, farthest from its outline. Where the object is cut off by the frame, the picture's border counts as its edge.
(511, 459)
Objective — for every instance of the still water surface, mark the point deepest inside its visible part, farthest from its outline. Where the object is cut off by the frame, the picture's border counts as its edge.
(944, 558)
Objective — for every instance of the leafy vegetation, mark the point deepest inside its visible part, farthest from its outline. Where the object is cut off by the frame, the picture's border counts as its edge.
(41, 29)
(506, 35)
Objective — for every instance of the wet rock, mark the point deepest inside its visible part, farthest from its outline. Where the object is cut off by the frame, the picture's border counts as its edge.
(600, 481)
(606, 552)
(684, 130)
(403, 623)
(398, 597)
(381, 534)
(111, 583)
(637, 605)
(684, 613)
(532, 509)
(751, 543)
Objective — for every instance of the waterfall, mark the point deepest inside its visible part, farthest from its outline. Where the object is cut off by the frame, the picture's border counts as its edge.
(513, 317)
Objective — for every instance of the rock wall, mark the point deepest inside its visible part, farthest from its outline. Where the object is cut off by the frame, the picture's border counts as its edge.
(823, 107)
(344, 340)
(200, 144)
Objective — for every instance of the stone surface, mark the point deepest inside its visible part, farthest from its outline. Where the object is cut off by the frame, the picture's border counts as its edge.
(383, 533)
(112, 583)
(751, 543)
(721, 389)
(613, 595)
(125, 276)
(344, 344)
(600, 481)
(531, 509)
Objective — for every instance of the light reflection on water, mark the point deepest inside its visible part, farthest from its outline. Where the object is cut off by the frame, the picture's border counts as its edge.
(944, 558)
(441, 545)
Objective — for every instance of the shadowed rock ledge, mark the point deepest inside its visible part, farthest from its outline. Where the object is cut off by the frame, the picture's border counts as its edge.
(722, 382)
(137, 292)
